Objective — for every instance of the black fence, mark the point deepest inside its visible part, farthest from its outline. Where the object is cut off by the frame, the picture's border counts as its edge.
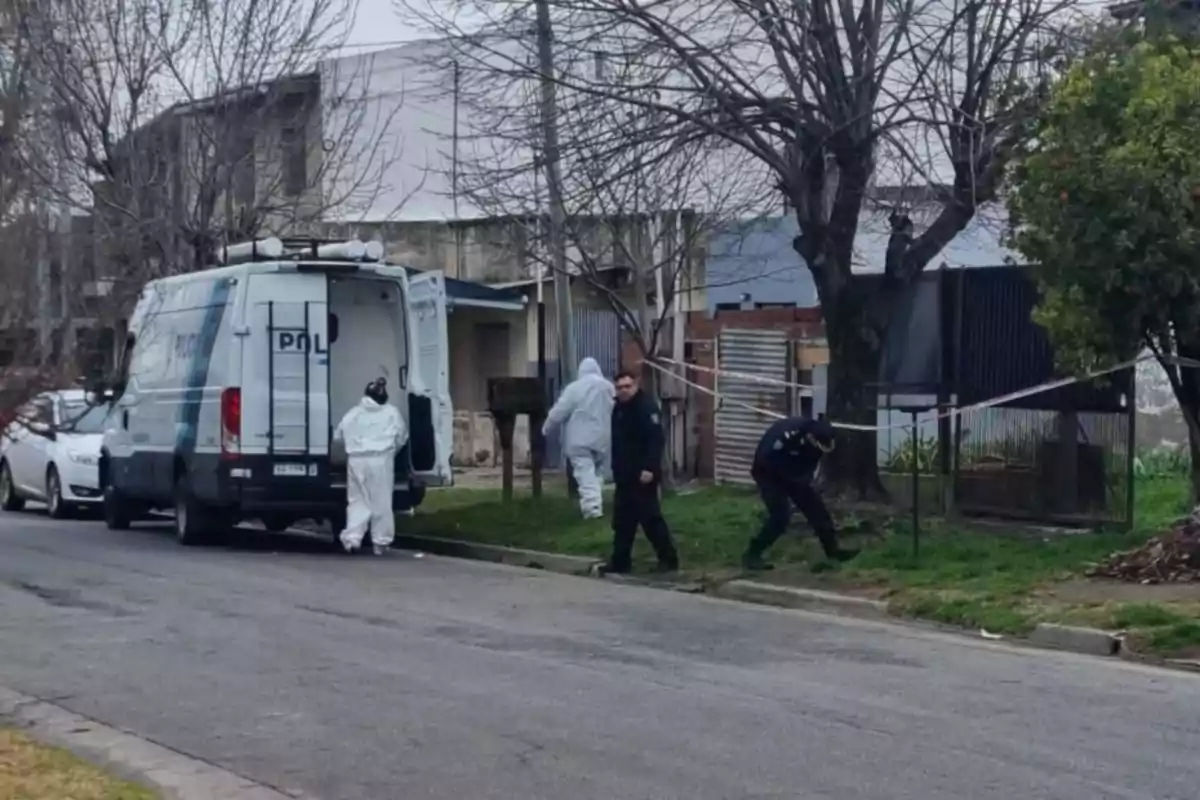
(962, 337)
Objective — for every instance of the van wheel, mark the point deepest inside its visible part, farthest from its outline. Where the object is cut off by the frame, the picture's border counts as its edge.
(56, 507)
(9, 499)
(194, 524)
(116, 510)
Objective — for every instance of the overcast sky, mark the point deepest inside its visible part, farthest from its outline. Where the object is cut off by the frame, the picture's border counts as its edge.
(377, 26)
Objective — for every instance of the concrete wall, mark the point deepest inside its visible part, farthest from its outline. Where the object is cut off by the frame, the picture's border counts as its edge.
(493, 251)
(477, 444)
(484, 343)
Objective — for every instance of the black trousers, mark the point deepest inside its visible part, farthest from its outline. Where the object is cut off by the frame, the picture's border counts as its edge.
(778, 495)
(637, 504)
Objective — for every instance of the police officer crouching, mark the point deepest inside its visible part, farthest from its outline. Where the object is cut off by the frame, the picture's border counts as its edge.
(637, 448)
(784, 465)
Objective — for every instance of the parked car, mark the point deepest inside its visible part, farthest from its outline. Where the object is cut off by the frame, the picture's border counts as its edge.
(50, 453)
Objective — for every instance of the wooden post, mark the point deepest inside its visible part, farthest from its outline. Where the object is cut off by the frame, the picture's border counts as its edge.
(537, 447)
(915, 441)
(506, 422)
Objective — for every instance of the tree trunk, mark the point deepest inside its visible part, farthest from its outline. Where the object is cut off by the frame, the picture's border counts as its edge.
(1185, 383)
(855, 350)
(1194, 453)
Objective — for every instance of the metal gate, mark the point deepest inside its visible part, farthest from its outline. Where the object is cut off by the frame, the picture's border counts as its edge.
(761, 353)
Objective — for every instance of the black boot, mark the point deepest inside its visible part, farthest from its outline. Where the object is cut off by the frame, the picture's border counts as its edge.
(833, 551)
(752, 561)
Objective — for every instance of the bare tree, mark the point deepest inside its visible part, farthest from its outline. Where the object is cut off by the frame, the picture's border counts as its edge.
(828, 98)
(641, 203)
(21, 219)
(152, 131)
(184, 124)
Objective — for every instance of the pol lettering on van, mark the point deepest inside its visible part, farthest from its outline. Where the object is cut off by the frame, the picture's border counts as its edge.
(299, 341)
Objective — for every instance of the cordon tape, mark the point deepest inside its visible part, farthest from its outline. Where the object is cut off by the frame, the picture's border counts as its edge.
(666, 365)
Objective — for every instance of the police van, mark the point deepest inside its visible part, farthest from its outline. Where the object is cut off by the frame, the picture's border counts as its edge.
(233, 379)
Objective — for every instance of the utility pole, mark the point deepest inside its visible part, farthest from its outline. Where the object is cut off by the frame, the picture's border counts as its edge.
(550, 151)
(44, 240)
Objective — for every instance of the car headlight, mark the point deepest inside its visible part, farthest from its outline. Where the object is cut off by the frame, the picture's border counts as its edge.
(87, 459)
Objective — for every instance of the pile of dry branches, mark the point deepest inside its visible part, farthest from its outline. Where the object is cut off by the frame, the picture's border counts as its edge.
(1173, 557)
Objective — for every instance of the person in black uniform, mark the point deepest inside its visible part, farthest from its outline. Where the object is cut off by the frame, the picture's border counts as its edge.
(784, 465)
(637, 446)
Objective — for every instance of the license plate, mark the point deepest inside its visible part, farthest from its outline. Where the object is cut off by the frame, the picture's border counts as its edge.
(291, 470)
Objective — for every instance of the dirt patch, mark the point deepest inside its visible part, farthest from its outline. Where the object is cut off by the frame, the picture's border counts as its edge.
(493, 478)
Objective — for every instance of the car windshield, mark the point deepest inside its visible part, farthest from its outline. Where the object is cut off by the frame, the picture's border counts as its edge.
(82, 418)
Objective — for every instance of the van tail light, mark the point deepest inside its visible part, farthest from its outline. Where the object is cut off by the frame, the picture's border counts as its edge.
(231, 423)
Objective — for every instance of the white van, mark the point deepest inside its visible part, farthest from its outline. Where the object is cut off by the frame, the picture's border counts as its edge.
(233, 379)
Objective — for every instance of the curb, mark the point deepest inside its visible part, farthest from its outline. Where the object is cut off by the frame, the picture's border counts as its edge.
(173, 774)
(811, 599)
(670, 584)
(1085, 641)
(513, 556)
(1089, 641)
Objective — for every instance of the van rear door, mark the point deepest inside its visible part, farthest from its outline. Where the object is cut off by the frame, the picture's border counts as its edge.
(429, 393)
(285, 384)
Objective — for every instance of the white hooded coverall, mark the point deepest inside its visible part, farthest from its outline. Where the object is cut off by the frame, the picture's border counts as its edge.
(585, 409)
(372, 433)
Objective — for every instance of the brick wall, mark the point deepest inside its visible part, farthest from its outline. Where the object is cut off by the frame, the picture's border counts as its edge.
(801, 323)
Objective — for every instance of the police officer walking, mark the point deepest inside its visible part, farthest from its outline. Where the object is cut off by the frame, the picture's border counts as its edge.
(784, 465)
(637, 447)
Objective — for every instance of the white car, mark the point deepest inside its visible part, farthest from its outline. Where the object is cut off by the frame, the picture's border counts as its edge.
(50, 454)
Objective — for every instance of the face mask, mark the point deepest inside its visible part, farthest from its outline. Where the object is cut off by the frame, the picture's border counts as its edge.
(377, 391)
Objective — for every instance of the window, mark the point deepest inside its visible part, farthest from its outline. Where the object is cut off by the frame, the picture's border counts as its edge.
(19, 347)
(244, 177)
(295, 158)
(94, 349)
(83, 418)
(41, 411)
(599, 66)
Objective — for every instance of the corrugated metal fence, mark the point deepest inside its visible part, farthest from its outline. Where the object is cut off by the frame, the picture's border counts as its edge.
(753, 352)
(598, 335)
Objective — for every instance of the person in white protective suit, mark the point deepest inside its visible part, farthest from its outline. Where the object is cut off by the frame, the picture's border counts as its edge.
(372, 431)
(585, 410)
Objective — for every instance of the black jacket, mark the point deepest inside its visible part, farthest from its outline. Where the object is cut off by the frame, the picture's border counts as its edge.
(784, 452)
(637, 438)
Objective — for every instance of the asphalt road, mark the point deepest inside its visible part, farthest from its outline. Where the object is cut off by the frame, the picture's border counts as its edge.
(396, 678)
